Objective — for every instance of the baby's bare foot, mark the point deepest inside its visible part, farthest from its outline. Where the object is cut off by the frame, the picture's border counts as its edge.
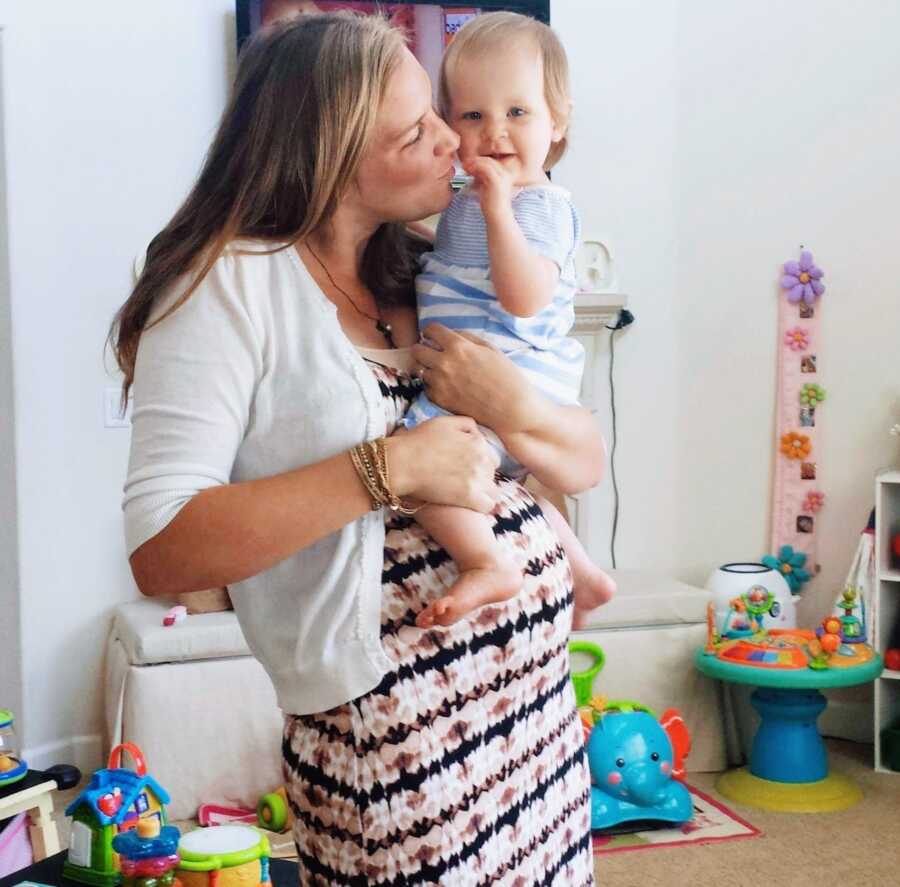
(593, 589)
(473, 589)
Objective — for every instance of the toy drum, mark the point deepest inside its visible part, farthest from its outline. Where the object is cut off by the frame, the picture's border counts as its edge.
(224, 856)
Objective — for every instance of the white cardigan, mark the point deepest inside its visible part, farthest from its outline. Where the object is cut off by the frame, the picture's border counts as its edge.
(251, 377)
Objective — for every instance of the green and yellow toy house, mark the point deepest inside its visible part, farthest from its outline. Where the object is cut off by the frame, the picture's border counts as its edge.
(114, 801)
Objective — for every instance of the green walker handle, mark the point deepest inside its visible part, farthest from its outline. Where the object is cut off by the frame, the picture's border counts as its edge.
(584, 680)
(627, 706)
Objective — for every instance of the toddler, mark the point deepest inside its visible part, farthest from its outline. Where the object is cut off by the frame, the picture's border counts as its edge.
(503, 267)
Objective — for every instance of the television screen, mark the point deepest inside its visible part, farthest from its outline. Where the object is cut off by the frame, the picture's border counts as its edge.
(429, 27)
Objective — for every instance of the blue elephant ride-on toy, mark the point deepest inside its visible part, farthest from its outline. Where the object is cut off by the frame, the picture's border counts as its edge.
(636, 759)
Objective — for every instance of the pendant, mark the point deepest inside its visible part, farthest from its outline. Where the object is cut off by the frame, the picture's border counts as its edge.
(385, 330)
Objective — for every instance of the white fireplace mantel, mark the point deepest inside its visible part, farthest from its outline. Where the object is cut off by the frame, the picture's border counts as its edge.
(594, 313)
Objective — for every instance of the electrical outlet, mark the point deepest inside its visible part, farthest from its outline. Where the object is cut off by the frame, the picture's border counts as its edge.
(112, 409)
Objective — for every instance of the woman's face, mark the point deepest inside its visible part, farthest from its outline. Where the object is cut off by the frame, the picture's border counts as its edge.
(406, 169)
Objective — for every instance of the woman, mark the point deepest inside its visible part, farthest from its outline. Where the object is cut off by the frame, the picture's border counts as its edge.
(271, 333)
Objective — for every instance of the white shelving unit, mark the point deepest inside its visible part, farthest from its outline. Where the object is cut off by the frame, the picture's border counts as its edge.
(887, 604)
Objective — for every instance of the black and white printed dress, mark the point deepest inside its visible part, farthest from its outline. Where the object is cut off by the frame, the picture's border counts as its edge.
(465, 765)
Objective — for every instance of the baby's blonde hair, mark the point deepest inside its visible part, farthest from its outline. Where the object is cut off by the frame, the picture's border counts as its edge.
(497, 29)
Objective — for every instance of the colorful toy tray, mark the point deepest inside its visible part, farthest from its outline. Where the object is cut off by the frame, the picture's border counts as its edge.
(781, 658)
(763, 655)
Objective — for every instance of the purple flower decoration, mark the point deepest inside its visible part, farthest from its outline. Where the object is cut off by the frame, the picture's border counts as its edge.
(802, 279)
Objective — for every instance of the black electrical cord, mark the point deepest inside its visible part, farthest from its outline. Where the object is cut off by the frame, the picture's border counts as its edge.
(625, 319)
(612, 451)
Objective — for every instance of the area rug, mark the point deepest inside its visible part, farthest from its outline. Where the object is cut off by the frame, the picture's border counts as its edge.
(712, 822)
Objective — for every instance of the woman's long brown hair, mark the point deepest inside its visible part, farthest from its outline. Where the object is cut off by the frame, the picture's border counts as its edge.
(287, 149)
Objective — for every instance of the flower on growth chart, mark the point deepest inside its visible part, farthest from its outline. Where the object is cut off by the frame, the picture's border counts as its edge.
(811, 395)
(797, 338)
(814, 500)
(802, 280)
(795, 446)
(790, 564)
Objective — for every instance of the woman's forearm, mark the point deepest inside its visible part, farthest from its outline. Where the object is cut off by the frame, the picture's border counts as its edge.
(225, 534)
(563, 447)
(228, 533)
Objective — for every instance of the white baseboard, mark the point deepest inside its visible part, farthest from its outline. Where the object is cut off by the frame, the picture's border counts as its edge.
(85, 752)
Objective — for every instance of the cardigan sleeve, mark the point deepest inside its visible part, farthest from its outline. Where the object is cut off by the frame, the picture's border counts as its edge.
(195, 376)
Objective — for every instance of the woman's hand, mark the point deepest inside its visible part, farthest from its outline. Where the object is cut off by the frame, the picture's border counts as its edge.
(468, 376)
(445, 461)
(562, 446)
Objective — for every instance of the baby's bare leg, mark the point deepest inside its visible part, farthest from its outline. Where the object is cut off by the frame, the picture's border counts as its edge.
(487, 574)
(593, 587)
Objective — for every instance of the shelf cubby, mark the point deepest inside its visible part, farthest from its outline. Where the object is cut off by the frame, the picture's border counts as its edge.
(886, 621)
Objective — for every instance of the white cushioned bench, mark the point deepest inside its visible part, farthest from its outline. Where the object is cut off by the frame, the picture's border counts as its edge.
(200, 707)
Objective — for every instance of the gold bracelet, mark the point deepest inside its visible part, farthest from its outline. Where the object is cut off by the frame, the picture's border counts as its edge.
(370, 485)
(370, 475)
(370, 461)
(393, 500)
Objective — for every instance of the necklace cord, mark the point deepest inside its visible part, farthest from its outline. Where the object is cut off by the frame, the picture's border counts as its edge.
(380, 325)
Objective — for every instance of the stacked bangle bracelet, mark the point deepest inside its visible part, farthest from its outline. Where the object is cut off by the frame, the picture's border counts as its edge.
(370, 461)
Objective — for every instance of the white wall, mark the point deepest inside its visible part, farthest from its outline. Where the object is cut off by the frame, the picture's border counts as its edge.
(788, 133)
(10, 623)
(107, 115)
(710, 140)
(620, 169)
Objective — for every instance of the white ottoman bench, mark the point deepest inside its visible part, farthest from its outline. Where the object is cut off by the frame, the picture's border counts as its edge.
(650, 632)
(200, 707)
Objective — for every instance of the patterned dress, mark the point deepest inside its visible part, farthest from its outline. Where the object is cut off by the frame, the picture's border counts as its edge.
(465, 765)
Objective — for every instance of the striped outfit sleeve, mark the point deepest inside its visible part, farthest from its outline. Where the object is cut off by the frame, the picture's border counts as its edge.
(549, 222)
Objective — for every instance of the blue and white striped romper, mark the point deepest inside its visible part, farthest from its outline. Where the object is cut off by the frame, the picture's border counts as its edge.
(454, 288)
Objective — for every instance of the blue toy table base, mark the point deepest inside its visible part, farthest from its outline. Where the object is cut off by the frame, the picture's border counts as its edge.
(787, 746)
(788, 768)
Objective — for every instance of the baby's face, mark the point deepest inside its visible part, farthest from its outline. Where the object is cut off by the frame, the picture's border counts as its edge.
(498, 109)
